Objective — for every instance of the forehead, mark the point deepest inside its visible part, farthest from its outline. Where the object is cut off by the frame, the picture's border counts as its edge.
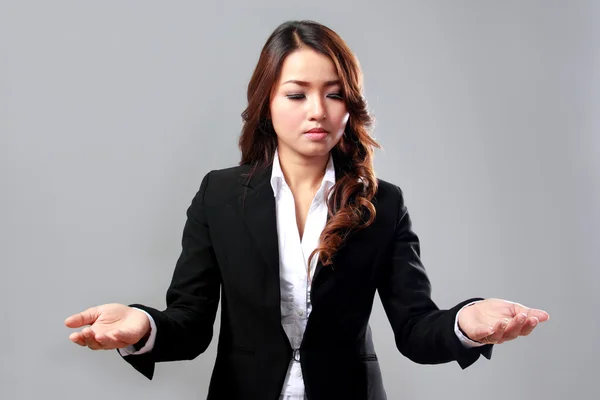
(308, 65)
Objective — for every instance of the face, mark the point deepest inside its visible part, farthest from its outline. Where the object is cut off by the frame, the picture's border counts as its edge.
(308, 97)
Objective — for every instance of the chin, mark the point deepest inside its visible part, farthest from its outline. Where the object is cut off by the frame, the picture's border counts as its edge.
(316, 149)
(308, 149)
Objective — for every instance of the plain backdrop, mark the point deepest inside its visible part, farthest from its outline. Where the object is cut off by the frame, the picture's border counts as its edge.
(111, 112)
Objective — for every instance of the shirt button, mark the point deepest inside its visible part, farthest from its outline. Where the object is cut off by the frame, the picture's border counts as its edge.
(300, 313)
(299, 373)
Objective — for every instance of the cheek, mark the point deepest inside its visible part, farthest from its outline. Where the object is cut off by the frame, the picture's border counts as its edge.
(286, 118)
(340, 118)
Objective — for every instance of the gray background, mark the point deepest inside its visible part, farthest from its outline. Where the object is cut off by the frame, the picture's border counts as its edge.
(112, 111)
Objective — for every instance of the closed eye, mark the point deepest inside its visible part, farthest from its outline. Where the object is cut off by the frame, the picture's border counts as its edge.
(300, 96)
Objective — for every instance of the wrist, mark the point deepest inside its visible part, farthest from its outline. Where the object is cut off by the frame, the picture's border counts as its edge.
(461, 315)
(147, 329)
(142, 342)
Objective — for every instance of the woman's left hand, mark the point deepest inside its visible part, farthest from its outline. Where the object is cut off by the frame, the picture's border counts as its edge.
(495, 321)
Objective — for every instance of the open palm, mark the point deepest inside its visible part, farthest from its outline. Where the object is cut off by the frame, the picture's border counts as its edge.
(111, 326)
(495, 321)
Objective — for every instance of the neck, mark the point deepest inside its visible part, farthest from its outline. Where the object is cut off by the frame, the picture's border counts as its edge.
(302, 172)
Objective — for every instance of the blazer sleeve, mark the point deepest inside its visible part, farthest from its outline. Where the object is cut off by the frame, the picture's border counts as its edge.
(423, 333)
(185, 328)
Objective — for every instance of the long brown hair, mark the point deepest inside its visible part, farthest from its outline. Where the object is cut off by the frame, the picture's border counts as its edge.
(349, 207)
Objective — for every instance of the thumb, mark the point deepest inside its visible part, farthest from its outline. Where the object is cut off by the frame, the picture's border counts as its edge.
(126, 336)
(87, 317)
(478, 331)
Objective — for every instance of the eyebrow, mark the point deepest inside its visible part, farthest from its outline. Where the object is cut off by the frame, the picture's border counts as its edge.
(304, 83)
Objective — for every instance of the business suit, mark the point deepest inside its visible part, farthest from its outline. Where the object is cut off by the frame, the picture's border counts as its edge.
(230, 252)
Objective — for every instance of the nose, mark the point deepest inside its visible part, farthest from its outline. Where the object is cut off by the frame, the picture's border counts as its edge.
(316, 111)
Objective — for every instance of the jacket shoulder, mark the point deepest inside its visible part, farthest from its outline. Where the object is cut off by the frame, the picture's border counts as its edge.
(223, 184)
(387, 191)
(389, 201)
(235, 174)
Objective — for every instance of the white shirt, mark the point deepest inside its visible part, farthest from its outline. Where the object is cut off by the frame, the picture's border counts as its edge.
(293, 261)
(294, 283)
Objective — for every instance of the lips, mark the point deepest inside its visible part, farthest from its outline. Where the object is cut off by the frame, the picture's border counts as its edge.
(317, 130)
(316, 134)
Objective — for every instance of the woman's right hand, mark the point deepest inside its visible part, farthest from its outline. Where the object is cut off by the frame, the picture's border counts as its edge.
(111, 326)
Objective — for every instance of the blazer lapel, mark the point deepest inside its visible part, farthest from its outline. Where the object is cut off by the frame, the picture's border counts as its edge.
(257, 203)
(318, 270)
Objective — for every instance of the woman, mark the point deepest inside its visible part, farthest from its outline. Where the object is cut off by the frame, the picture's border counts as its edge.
(295, 242)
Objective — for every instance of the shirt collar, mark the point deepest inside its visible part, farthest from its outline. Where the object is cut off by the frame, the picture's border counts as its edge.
(278, 180)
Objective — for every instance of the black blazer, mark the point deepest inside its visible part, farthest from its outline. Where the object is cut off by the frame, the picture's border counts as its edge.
(230, 251)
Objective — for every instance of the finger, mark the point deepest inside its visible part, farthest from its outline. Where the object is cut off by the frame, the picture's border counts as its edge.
(541, 315)
(90, 341)
(86, 317)
(529, 326)
(513, 330)
(92, 344)
(499, 328)
(77, 338)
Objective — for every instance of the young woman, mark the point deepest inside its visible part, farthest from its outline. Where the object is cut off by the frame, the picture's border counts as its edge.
(295, 241)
